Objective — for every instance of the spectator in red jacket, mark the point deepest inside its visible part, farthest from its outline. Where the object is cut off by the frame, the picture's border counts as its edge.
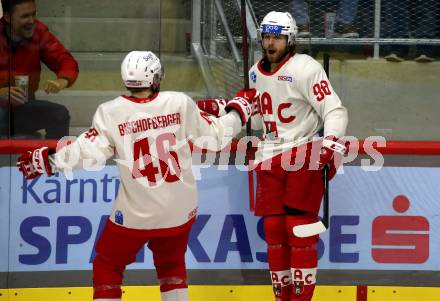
(25, 42)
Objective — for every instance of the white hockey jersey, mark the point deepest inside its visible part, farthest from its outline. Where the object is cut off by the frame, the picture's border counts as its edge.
(149, 141)
(296, 101)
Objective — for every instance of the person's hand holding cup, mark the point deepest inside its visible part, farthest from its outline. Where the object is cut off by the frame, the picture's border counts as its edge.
(19, 94)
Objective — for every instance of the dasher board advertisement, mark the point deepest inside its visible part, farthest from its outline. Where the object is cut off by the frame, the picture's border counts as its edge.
(381, 220)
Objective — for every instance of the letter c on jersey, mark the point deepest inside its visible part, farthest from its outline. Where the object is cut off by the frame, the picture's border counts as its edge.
(306, 275)
(309, 279)
(281, 107)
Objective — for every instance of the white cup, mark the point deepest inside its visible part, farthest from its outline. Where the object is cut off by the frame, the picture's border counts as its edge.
(22, 81)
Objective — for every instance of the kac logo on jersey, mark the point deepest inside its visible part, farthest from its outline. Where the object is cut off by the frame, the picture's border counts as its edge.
(285, 78)
(253, 77)
(276, 289)
(299, 287)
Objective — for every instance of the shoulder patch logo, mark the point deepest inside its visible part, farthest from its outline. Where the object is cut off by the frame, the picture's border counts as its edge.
(253, 77)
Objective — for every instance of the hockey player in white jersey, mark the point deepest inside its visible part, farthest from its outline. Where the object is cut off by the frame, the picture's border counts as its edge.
(296, 101)
(147, 133)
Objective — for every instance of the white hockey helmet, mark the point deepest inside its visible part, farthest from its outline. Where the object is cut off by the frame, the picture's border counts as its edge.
(279, 23)
(140, 69)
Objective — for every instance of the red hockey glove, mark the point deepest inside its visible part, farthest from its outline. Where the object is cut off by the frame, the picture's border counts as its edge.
(252, 96)
(35, 163)
(213, 106)
(243, 103)
(330, 145)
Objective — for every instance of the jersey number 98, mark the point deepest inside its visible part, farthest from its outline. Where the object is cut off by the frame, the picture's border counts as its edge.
(321, 90)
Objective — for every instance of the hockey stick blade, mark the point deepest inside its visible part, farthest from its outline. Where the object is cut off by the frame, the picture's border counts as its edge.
(309, 229)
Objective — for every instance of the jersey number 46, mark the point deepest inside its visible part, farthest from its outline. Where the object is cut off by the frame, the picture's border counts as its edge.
(163, 161)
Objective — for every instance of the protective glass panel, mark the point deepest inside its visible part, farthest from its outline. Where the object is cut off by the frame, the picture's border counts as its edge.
(384, 59)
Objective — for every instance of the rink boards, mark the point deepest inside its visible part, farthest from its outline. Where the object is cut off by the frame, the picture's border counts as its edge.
(383, 222)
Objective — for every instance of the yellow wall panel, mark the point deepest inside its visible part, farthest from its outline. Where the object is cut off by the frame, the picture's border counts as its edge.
(390, 293)
(196, 292)
(225, 293)
(51, 294)
(4, 295)
(335, 293)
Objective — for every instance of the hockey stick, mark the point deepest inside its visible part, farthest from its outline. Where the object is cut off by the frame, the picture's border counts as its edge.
(322, 225)
(245, 54)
